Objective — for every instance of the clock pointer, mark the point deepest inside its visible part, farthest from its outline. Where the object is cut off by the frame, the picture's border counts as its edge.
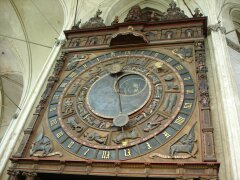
(121, 119)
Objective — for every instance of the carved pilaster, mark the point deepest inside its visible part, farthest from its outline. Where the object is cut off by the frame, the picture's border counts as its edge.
(203, 95)
(13, 174)
(30, 175)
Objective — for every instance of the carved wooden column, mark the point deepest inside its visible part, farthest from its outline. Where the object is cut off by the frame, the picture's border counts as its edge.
(13, 175)
(30, 175)
(206, 123)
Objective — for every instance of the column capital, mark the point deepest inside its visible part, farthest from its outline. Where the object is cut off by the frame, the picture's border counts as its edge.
(216, 27)
(30, 175)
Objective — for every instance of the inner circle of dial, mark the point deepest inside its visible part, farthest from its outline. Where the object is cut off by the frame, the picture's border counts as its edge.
(113, 94)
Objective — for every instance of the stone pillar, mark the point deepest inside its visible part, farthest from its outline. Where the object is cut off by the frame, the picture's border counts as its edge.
(224, 93)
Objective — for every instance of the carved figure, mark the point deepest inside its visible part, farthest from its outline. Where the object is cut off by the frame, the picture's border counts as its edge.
(203, 87)
(82, 110)
(76, 43)
(183, 53)
(205, 101)
(154, 16)
(59, 42)
(154, 79)
(74, 61)
(95, 21)
(68, 103)
(151, 107)
(199, 45)
(77, 25)
(47, 91)
(184, 144)
(140, 117)
(75, 87)
(158, 91)
(189, 33)
(201, 67)
(174, 12)
(125, 135)
(115, 21)
(93, 41)
(170, 102)
(169, 81)
(82, 94)
(151, 35)
(197, 13)
(74, 125)
(93, 136)
(42, 143)
(135, 14)
(169, 34)
(153, 124)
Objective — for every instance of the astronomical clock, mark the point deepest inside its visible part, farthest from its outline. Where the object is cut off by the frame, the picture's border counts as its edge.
(130, 99)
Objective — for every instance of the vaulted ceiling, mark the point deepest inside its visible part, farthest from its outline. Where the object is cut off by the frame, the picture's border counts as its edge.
(27, 35)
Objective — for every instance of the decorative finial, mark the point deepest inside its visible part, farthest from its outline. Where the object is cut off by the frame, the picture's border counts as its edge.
(197, 13)
(94, 22)
(173, 4)
(115, 21)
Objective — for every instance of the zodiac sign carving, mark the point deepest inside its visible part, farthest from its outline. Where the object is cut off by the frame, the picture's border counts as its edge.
(170, 84)
(170, 102)
(125, 135)
(74, 125)
(75, 87)
(183, 53)
(68, 103)
(184, 144)
(93, 136)
(74, 61)
(153, 124)
(42, 144)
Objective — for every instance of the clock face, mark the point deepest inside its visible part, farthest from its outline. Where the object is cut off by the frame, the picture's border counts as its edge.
(121, 105)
